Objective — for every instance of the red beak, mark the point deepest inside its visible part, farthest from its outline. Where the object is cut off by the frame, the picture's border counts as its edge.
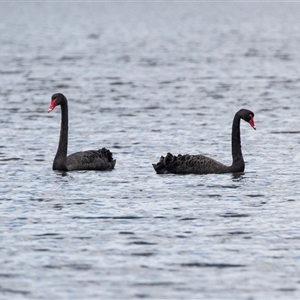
(251, 122)
(52, 105)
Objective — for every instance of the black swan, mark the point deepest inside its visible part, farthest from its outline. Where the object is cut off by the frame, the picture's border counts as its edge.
(101, 159)
(200, 164)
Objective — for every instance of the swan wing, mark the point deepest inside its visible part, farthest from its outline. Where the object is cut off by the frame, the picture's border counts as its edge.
(101, 160)
(188, 164)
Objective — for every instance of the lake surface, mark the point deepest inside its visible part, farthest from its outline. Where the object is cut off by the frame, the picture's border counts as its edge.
(144, 79)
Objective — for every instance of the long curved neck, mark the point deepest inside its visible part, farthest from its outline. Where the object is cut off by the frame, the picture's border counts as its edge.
(61, 153)
(238, 164)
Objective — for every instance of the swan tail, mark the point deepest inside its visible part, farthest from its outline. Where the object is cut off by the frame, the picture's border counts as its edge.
(105, 153)
(166, 164)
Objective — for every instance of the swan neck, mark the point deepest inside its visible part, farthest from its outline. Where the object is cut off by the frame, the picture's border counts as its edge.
(236, 148)
(61, 153)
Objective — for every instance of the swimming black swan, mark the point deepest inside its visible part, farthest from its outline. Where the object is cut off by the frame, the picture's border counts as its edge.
(101, 159)
(200, 164)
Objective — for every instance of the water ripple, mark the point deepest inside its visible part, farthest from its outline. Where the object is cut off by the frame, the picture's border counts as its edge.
(144, 79)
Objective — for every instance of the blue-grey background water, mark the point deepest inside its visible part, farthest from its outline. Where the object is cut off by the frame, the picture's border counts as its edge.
(143, 79)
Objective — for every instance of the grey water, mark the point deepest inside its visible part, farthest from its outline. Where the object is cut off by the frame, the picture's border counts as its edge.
(144, 79)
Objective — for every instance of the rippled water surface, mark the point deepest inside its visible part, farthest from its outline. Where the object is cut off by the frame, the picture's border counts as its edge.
(144, 79)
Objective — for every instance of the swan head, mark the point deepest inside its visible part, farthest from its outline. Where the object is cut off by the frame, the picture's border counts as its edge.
(56, 99)
(248, 116)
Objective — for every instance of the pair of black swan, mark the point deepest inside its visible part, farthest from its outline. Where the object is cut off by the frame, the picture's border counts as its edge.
(102, 159)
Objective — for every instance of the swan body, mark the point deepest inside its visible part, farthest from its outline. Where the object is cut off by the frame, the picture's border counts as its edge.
(201, 164)
(100, 160)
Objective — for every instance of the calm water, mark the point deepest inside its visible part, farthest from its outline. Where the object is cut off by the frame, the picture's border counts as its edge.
(143, 79)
